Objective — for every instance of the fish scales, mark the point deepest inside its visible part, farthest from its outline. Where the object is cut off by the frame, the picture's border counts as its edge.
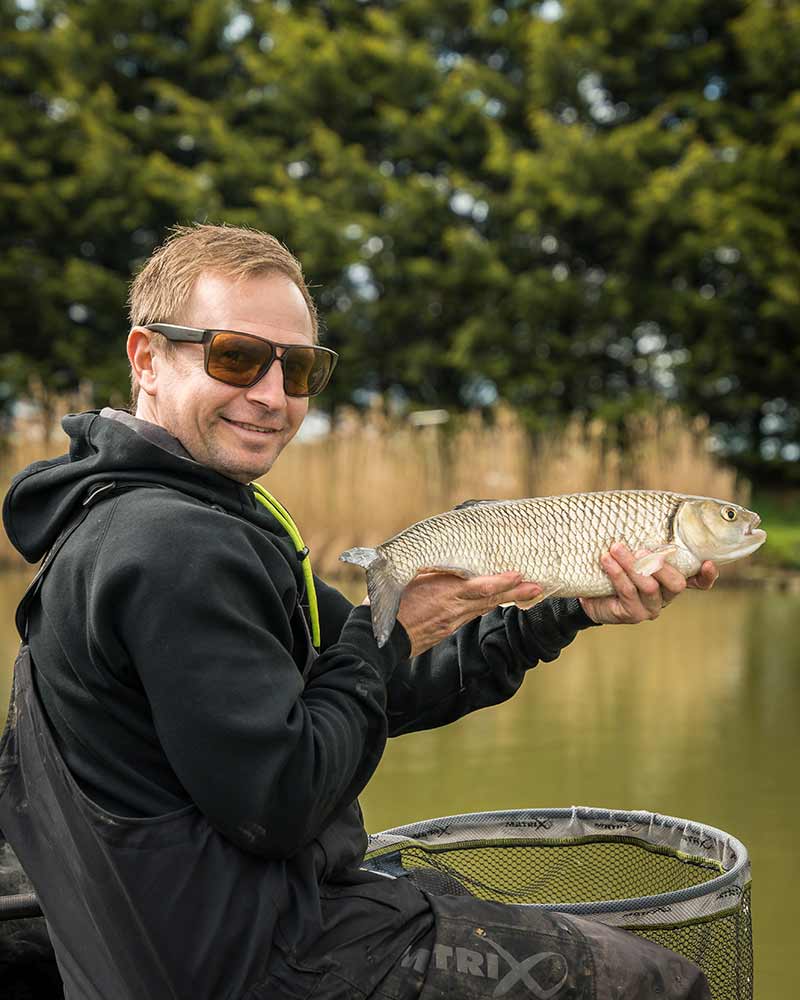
(528, 536)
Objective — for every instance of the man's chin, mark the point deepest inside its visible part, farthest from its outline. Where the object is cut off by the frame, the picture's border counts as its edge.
(243, 468)
(249, 459)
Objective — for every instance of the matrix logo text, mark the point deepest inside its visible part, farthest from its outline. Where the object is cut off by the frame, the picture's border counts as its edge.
(466, 961)
(530, 824)
(433, 831)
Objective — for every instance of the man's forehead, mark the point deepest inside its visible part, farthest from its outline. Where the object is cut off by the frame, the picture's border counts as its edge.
(271, 299)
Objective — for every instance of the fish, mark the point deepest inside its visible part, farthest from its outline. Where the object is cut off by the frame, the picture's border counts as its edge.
(557, 542)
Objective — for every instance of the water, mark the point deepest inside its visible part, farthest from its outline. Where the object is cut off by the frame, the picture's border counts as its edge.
(695, 715)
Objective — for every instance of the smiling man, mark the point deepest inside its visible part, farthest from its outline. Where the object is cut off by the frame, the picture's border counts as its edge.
(196, 713)
(237, 431)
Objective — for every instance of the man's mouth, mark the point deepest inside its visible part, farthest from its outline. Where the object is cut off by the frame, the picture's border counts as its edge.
(251, 427)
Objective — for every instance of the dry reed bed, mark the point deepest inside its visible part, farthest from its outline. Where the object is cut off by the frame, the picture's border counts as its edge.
(372, 476)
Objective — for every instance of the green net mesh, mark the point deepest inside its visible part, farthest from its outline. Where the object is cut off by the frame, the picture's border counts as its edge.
(683, 886)
(722, 947)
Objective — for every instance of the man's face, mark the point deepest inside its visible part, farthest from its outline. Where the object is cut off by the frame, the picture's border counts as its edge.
(238, 432)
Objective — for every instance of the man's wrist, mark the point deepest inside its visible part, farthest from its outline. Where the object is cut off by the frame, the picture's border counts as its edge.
(553, 624)
(358, 632)
(568, 613)
(579, 615)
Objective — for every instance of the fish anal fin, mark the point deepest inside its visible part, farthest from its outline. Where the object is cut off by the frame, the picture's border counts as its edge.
(524, 605)
(654, 560)
(465, 574)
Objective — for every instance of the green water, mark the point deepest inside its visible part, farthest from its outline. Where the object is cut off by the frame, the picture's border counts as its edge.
(695, 715)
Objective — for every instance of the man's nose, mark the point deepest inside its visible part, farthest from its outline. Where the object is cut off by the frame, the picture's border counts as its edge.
(269, 390)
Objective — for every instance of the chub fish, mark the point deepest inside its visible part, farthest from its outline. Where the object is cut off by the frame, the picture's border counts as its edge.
(556, 542)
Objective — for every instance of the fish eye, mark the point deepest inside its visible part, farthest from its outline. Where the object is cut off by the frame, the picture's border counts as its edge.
(728, 513)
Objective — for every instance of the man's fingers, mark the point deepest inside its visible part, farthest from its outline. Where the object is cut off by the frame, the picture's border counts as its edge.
(484, 587)
(645, 583)
(639, 594)
(623, 584)
(522, 594)
(670, 579)
(477, 594)
(706, 577)
(672, 583)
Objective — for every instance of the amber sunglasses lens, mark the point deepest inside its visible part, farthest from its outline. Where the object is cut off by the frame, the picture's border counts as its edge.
(237, 360)
(305, 371)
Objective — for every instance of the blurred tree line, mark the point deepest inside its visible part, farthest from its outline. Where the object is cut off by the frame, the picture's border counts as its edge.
(575, 206)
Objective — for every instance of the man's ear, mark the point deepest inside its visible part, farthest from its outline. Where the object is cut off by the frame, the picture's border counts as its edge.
(141, 355)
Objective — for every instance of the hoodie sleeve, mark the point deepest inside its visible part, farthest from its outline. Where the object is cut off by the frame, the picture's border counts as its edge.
(483, 664)
(334, 610)
(198, 610)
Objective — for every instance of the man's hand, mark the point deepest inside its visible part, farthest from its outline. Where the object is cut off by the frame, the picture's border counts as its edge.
(641, 598)
(434, 605)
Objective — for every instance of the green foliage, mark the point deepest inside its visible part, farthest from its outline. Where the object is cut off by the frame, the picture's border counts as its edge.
(578, 207)
(780, 516)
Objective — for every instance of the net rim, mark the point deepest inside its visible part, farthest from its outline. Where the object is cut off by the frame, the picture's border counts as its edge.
(685, 839)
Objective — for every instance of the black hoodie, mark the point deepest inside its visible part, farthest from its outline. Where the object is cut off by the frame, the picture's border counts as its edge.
(170, 648)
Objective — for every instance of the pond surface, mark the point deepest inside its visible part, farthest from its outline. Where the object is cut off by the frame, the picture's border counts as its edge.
(695, 715)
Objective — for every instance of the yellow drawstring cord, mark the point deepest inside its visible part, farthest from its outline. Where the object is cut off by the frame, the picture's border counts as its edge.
(283, 517)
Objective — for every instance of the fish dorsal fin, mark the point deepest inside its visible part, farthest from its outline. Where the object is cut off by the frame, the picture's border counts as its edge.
(475, 503)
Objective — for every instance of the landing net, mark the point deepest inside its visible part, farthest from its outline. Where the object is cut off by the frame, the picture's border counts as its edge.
(680, 884)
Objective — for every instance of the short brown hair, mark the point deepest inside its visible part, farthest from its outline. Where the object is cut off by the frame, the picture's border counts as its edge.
(161, 291)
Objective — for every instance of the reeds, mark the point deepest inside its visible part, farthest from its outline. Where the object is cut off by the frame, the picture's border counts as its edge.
(373, 475)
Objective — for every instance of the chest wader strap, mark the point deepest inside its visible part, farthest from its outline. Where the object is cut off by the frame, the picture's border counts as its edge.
(284, 519)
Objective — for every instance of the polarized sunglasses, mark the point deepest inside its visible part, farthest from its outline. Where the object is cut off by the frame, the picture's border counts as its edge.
(241, 359)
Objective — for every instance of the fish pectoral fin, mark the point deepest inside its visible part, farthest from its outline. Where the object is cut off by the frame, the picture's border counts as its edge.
(654, 561)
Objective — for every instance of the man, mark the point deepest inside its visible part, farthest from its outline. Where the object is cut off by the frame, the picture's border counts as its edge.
(183, 765)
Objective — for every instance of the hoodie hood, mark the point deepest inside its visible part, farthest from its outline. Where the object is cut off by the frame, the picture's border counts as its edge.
(47, 494)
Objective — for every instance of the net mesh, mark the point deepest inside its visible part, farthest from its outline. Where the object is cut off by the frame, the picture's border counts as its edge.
(721, 946)
(563, 873)
(689, 903)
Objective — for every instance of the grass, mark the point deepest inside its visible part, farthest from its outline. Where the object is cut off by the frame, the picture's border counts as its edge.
(780, 517)
(373, 476)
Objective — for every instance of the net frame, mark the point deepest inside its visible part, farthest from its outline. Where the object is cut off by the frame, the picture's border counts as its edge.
(682, 839)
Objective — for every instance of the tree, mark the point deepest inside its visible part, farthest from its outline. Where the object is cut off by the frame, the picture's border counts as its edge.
(576, 206)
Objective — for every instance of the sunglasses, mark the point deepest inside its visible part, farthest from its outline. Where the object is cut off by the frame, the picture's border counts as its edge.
(241, 359)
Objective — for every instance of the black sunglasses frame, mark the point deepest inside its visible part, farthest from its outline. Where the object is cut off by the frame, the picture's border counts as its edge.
(196, 335)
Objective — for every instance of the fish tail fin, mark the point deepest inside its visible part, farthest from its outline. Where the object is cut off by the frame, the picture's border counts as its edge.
(383, 588)
(359, 557)
(384, 598)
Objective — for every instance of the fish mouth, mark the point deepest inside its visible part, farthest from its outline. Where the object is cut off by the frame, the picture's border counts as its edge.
(751, 540)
